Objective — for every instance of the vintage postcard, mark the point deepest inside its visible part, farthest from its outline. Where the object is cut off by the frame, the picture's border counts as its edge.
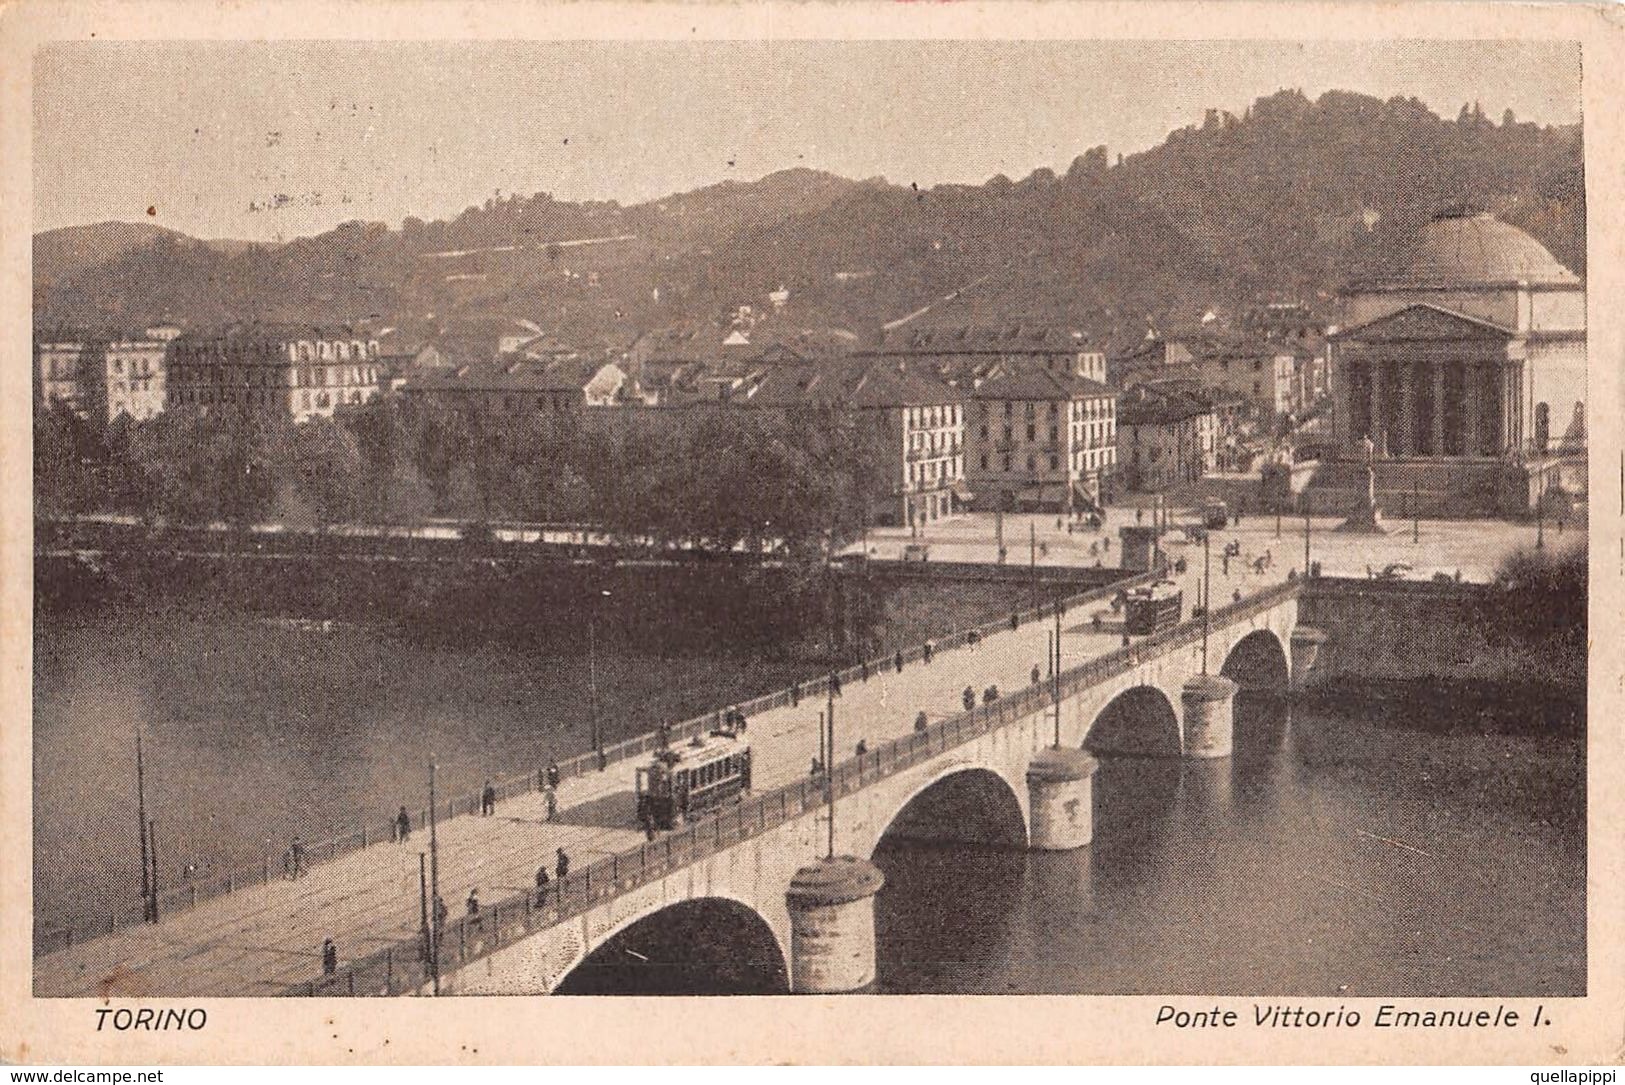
(1067, 525)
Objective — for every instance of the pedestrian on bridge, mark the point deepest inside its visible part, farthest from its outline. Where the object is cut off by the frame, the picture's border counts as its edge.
(990, 694)
(1036, 678)
(968, 698)
(330, 957)
(973, 638)
(541, 885)
(296, 859)
(922, 721)
(488, 800)
(930, 647)
(835, 683)
(898, 660)
(552, 803)
(474, 907)
(562, 867)
(862, 747)
(403, 826)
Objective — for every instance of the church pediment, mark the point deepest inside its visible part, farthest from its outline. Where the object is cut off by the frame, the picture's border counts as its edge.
(1425, 324)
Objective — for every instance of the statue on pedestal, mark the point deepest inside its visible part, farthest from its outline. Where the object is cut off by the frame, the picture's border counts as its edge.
(1367, 519)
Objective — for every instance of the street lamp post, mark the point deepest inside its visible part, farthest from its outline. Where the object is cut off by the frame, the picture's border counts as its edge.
(1207, 591)
(592, 676)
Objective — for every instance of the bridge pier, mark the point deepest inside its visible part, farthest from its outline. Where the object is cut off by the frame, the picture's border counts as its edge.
(1209, 704)
(832, 926)
(1060, 792)
(1306, 642)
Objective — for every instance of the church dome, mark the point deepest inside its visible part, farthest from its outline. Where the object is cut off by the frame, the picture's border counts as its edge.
(1467, 247)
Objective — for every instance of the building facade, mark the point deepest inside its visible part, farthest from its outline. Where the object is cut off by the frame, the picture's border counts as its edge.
(1038, 439)
(304, 373)
(1166, 437)
(1249, 367)
(100, 377)
(1475, 348)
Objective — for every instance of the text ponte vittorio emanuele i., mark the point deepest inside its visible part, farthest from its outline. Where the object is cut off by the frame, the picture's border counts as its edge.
(1281, 1015)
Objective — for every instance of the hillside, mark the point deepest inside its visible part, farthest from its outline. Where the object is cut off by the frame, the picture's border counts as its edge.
(1288, 200)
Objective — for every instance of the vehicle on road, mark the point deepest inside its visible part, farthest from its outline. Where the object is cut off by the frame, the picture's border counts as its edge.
(1153, 608)
(682, 782)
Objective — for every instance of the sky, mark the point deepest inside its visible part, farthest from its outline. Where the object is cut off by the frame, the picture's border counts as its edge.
(262, 141)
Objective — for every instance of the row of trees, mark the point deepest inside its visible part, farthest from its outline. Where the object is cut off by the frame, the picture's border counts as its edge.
(713, 479)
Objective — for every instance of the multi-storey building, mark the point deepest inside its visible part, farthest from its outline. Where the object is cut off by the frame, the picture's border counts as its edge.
(102, 376)
(1040, 439)
(303, 372)
(1245, 365)
(920, 419)
(1166, 436)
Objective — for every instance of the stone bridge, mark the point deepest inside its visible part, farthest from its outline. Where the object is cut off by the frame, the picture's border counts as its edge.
(778, 868)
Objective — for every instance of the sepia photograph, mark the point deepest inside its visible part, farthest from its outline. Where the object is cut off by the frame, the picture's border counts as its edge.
(780, 517)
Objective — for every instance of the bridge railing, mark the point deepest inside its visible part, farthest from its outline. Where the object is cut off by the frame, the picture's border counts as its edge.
(62, 935)
(404, 967)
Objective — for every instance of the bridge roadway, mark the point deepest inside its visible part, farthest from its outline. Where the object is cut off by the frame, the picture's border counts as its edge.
(263, 940)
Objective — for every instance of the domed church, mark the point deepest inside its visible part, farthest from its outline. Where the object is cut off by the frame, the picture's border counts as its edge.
(1465, 369)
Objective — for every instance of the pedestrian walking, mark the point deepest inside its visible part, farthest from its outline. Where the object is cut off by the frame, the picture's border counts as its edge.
(862, 747)
(296, 858)
(835, 683)
(488, 800)
(990, 694)
(922, 721)
(552, 803)
(1035, 674)
(930, 647)
(795, 692)
(403, 826)
(553, 774)
(973, 638)
(898, 660)
(474, 907)
(330, 957)
(968, 698)
(562, 867)
(541, 885)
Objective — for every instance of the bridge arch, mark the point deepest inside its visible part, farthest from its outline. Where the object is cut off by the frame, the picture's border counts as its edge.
(653, 952)
(963, 803)
(1258, 662)
(1140, 721)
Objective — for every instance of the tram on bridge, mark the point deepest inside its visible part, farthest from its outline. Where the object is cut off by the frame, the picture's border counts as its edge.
(683, 782)
(1153, 608)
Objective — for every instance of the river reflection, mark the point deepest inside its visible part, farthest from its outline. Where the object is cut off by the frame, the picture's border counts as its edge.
(1324, 858)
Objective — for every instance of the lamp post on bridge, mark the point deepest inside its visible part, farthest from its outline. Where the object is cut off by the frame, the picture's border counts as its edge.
(1207, 591)
(592, 675)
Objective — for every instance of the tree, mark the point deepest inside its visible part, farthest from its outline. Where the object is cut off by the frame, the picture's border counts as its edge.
(328, 471)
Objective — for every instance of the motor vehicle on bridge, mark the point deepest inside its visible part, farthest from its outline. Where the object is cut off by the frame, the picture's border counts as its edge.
(682, 782)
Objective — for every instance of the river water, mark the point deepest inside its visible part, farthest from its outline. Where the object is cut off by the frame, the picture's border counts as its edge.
(1384, 848)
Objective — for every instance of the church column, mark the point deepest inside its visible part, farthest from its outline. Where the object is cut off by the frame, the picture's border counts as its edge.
(1404, 438)
(1472, 384)
(1379, 419)
(1438, 408)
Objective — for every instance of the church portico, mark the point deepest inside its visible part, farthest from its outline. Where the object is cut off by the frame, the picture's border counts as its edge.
(1468, 364)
